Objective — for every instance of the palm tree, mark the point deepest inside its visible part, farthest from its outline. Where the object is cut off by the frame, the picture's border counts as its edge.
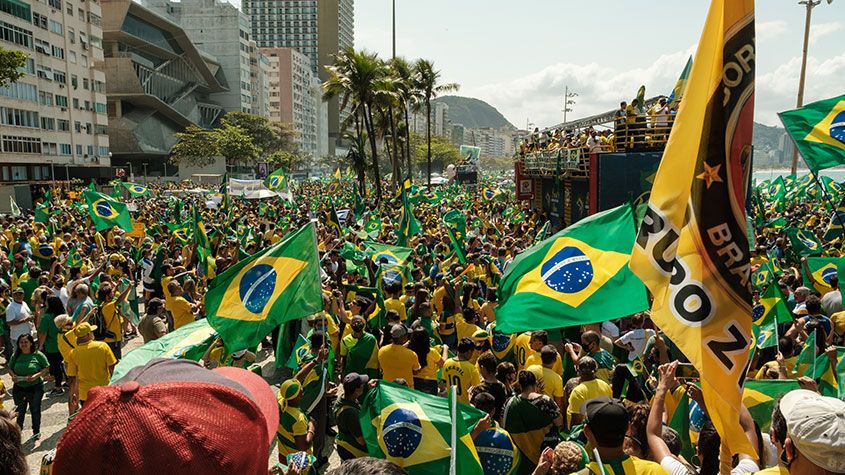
(404, 83)
(361, 79)
(427, 84)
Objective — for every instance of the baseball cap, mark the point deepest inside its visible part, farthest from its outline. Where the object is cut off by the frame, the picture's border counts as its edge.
(607, 418)
(83, 329)
(183, 419)
(18, 290)
(353, 381)
(816, 425)
(398, 331)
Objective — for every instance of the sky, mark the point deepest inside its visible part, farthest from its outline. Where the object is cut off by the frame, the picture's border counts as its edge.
(519, 56)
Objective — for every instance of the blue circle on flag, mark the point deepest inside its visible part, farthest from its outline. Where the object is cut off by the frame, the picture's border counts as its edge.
(773, 190)
(138, 189)
(757, 312)
(256, 287)
(837, 127)
(274, 182)
(761, 338)
(46, 250)
(402, 433)
(811, 244)
(488, 193)
(569, 271)
(104, 209)
(390, 258)
(827, 273)
(391, 277)
(496, 451)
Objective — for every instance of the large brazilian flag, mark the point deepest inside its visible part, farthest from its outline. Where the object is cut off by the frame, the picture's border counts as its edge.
(419, 432)
(759, 397)
(580, 275)
(107, 212)
(818, 130)
(395, 255)
(279, 284)
(821, 269)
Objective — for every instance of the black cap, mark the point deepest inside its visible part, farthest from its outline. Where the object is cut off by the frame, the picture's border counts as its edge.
(607, 419)
(353, 381)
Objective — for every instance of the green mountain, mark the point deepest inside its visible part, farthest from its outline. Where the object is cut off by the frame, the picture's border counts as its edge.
(473, 113)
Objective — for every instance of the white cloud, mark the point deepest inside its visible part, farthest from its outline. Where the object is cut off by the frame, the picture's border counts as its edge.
(770, 29)
(823, 29)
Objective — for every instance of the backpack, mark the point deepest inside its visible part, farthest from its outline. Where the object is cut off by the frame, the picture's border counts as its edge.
(101, 332)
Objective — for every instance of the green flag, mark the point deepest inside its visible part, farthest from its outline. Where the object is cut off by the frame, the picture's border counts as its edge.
(424, 434)
(188, 342)
(279, 284)
(821, 269)
(804, 242)
(408, 224)
(42, 212)
(276, 181)
(373, 226)
(543, 232)
(818, 130)
(332, 221)
(759, 397)
(836, 225)
(392, 254)
(680, 422)
(73, 258)
(826, 374)
(203, 246)
(680, 85)
(807, 357)
(768, 314)
(106, 212)
(580, 275)
(136, 190)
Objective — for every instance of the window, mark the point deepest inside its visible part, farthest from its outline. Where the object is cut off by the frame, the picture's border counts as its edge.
(81, 14)
(88, 129)
(75, 103)
(69, 12)
(71, 56)
(48, 123)
(48, 148)
(64, 125)
(77, 126)
(96, 41)
(59, 77)
(19, 117)
(18, 9)
(21, 91)
(64, 149)
(71, 35)
(99, 86)
(14, 34)
(39, 20)
(61, 101)
(87, 105)
(16, 144)
(94, 19)
(84, 61)
(90, 150)
(43, 47)
(99, 107)
(45, 98)
(59, 52)
(79, 150)
(100, 129)
(28, 67)
(102, 151)
(18, 172)
(57, 4)
(86, 83)
(56, 27)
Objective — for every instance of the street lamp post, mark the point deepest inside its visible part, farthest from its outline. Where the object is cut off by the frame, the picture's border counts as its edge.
(568, 101)
(394, 29)
(809, 4)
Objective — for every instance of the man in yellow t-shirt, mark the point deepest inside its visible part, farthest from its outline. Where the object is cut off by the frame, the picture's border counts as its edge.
(522, 350)
(549, 382)
(460, 372)
(295, 431)
(396, 361)
(180, 308)
(90, 364)
(111, 317)
(538, 340)
(590, 388)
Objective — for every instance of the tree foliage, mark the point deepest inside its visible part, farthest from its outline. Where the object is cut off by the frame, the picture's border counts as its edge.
(269, 136)
(443, 152)
(10, 63)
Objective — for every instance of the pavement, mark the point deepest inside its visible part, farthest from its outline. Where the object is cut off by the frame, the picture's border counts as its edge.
(54, 411)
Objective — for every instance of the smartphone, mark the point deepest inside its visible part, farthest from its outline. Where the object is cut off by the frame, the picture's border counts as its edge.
(687, 371)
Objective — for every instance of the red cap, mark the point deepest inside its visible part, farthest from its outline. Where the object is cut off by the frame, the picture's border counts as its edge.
(173, 416)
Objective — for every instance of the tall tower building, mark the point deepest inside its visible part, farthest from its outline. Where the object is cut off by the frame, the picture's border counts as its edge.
(317, 29)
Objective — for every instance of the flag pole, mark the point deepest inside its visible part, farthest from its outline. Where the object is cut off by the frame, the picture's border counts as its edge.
(453, 409)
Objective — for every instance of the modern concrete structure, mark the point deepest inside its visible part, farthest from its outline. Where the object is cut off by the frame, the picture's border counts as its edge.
(218, 28)
(157, 82)
(53, 120)
(439, 120)
(296, 98)
(259, 73)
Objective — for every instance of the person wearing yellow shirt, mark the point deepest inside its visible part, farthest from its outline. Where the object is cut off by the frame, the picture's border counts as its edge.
(396, 361)
(180, 308)
(465, 324)
(111, 317)
(90, 364)
(771, 369)
(549, 382)
(393, 302)
(539, 339)
(460, 372)
(521, 350)
(170, 274)
(590, 387)
(429, 358)
(295, 432)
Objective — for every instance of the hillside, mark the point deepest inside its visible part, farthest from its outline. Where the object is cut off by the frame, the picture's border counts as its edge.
(766, 138)
(473, 113)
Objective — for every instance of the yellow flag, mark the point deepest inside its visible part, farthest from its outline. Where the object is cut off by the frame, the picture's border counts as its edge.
(692, 250)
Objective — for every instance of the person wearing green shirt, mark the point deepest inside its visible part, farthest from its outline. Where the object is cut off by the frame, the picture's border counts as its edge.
(27, 369)
(29, 285)
(359, 350)
(313, 376)
(48, 340)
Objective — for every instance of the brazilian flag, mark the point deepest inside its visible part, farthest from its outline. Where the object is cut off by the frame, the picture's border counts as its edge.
(762, 276)
(821, 269)
(277, 180)
(106, 211)
(42, 212)
(279, 284)
(830, 383)
(332, 221)
(73, 258)
(490, 194)
(424, 434)
(759, 397)
(804, 242)
(818, 130)
(836, 226)
(543, 232)
(395, 255)
(771, 312)
(203, 246)
(136, 190)
(776, 223)
(777, 190)
(580, 275)
(389, 274)
(680, 422)
(373, 227)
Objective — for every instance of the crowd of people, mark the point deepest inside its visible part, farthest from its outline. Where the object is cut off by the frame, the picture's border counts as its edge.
(598, 398)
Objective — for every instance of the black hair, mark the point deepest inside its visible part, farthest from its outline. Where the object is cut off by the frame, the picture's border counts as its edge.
(541, 335)
(814, 305)
(419, 343)
(466, 345)
(548, 354)
(54, 305)
(488, 362)
(526, 379)
(317, 339)
(708, 449)
(672, 440)
(786, 346)
(484, 401)
(368, 465)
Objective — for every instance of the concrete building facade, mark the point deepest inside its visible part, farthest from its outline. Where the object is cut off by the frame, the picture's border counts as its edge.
(295, 97)
(53, 121)
(440, 124)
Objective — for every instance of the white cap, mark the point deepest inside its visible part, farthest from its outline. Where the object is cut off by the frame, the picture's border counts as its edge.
(816, 425)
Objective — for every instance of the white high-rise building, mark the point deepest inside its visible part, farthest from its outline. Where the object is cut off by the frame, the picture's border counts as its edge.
(53, 122)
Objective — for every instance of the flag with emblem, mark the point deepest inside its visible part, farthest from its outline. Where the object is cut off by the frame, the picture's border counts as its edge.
(373, 226)
(332, 221)
(276, 181)
(680, 85)
(818, 130)
(73, 258)
(42, 212)
(759, 397)
(692, 247)
(580, 275)
(136, 190)
(408, 223)
(824, 372)
(836, 225)
(391, 274)
(182, 234)
(273, 286)
(106, 212)
(490, 194)
(762, 275)
(777, 192)
(543, 232)
(394, 255)
(768, 314)
(804, 242)
(423, 434)
(456, 227)
(819, 270)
